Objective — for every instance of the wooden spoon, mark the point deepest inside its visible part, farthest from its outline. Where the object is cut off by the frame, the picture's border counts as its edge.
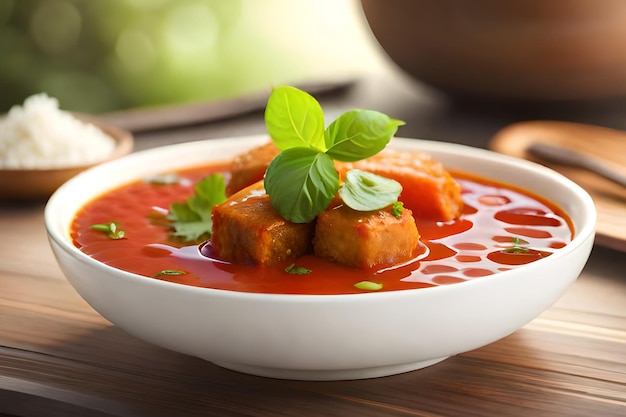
(563, 156)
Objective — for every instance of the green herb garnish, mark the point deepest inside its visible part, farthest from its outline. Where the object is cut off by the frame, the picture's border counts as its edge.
(517, 247)
(302, 180)
(168, 272)
(297, 270)
(191, 220)
(369, 285)
(365, 191)
(111, 229)
(397, 208)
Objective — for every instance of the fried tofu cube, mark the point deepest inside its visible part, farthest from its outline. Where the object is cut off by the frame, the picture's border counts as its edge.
(249, 167)
(247, 229)
(428, 189)
(365, 239)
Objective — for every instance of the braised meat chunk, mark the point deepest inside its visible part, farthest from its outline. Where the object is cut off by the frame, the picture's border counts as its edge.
(249, 167)
(365, 239)
(247, 229)
(427, 187)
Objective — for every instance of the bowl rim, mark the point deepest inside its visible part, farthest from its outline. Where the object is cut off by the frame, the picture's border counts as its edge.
(62, 240)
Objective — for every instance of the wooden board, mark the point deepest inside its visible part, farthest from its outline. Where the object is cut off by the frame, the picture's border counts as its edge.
(609, 145)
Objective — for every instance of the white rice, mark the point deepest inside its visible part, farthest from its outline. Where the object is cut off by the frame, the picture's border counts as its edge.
(39, 135)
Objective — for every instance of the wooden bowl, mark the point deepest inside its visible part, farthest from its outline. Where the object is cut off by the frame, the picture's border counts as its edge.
(39, 184)
(533, 50)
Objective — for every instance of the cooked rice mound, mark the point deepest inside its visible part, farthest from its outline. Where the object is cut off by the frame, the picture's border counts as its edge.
(38, 135)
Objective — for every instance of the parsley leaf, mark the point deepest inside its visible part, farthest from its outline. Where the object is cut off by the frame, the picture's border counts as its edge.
(191, 220)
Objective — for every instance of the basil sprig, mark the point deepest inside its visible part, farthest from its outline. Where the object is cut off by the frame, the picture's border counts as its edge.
(302, 180)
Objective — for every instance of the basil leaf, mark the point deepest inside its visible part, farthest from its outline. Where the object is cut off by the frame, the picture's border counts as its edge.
(301, 182)
(364, 191)
(359, 134)
(294, 118)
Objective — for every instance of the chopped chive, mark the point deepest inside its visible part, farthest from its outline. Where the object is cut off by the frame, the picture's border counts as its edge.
(168, 272)
(111, 229)
(517, 247)
(369, 285)
(297, 270)
(397, 208)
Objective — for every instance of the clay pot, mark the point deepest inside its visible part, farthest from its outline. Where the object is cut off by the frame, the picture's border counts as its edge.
(513, 49)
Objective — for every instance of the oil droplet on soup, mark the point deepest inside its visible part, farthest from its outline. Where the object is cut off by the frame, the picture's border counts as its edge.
(501, 228)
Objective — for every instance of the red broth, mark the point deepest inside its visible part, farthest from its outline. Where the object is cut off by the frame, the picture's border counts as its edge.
(502, 227)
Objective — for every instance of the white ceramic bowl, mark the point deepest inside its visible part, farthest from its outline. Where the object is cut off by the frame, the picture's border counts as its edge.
(317, 337)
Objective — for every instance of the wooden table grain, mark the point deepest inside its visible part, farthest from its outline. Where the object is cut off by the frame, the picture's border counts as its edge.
(58, 357)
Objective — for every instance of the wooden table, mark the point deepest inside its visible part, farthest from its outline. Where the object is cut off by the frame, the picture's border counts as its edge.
(58, 357)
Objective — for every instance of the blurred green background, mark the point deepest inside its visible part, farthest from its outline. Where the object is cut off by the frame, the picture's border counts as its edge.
(102, 55)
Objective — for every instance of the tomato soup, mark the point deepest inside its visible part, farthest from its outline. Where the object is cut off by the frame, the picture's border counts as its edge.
(502, 227)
